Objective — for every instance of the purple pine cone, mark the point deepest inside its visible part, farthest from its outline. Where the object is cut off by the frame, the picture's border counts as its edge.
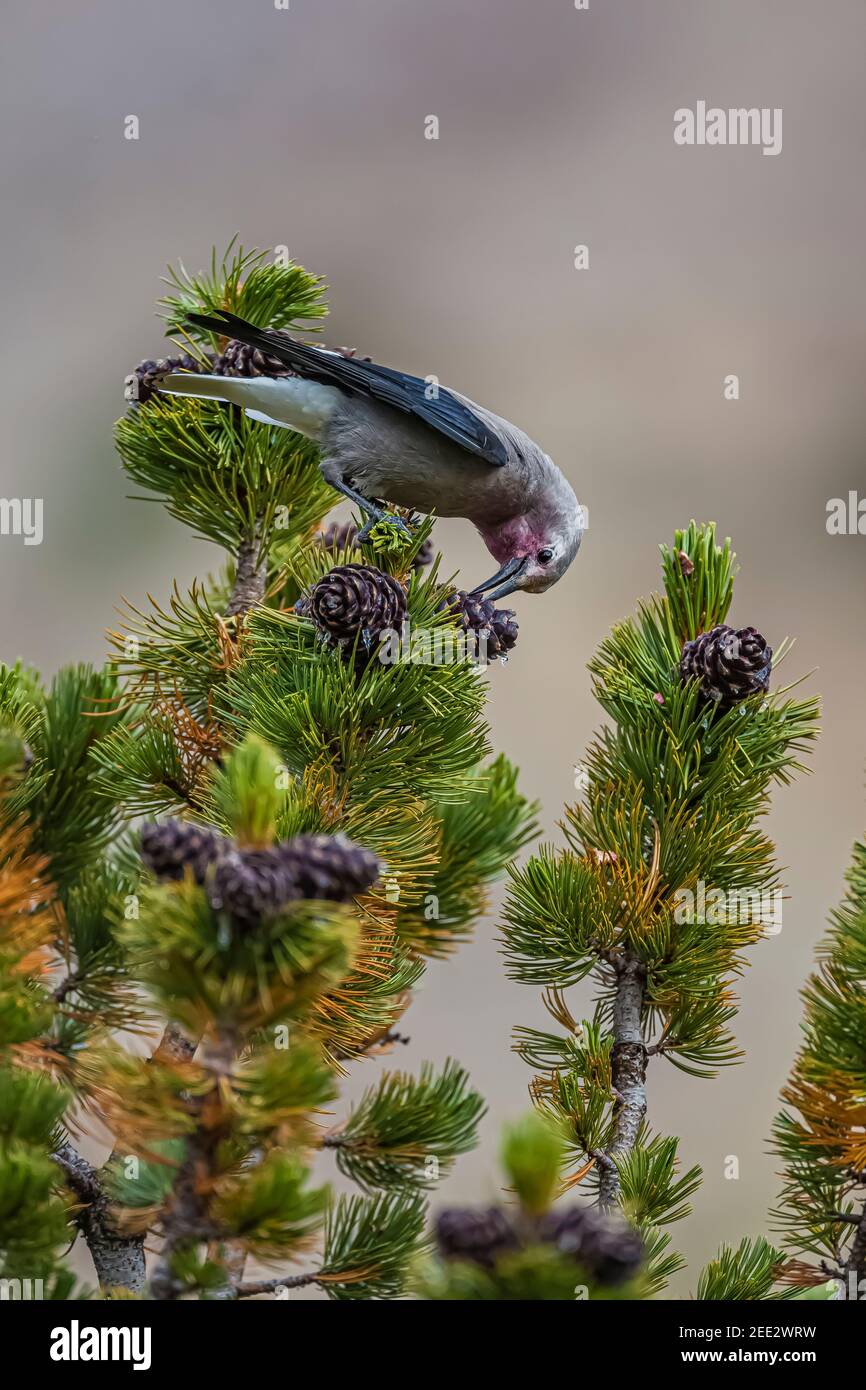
(495, 627)
(139, 385)
(479, 1235)
(606, 1247)
(251, 884)
(329, 866)
(354, 599)
(173, 847)
(730, 665)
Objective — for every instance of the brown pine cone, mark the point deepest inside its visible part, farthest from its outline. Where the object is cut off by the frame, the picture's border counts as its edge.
(353, 600)
(495, 628)
(238, 360)
(730, 665)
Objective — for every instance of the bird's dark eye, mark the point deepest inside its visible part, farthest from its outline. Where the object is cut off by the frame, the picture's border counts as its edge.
(544, 555)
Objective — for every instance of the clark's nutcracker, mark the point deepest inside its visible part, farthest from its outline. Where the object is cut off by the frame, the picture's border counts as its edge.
(386, 435)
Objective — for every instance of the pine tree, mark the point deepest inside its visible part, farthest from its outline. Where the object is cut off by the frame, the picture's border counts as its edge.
(256, 833)
(821, 1134)
(661, 887)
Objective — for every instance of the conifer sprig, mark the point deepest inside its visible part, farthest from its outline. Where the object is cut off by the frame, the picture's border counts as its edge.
(406, 1132)
(747, 1273)
(247, 284)
(666, 825)
(821, 1134)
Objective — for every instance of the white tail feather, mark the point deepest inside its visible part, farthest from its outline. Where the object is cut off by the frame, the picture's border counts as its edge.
(293, 402)
(264, 419)
(190, 384)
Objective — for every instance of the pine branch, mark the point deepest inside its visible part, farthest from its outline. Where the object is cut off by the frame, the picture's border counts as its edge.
(820, 1135)
(34, 1221)
(282, 296)
(118, 1260)
(747, 1273)
(369, 1242)
(118, 1257)
(673, 787)
(628, 1073)
(188, 1219)
(255, 1288)
(404, 1133)
(855, 1264)
(249, 585)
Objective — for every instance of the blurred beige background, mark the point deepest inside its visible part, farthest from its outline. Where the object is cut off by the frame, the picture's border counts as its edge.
(306, 127)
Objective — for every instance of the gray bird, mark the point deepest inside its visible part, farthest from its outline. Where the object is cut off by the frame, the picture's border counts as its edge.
(386, 435)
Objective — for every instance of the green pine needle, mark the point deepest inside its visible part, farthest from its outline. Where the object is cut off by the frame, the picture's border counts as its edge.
(405, 1132)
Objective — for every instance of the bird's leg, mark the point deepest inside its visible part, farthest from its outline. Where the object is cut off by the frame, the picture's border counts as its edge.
(372, 510)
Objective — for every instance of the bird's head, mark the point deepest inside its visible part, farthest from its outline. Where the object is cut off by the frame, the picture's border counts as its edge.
(534, 550)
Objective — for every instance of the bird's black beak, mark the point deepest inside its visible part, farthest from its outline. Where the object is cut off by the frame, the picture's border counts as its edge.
(509, 573)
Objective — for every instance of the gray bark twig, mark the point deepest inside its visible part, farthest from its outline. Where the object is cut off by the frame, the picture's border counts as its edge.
(187, 1221)
(250, 576)
(251, 562)
(628, 1065)
(297, 1281)
(117, 1259)
(856, 1261)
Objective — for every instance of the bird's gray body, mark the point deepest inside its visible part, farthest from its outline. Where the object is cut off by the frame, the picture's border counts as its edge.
(400, 458)
(414, 445)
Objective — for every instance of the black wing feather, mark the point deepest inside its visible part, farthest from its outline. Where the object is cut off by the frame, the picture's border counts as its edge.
(445, 413)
